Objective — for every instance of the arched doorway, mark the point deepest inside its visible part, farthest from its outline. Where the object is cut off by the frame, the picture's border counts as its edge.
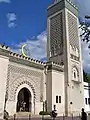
(24, 100)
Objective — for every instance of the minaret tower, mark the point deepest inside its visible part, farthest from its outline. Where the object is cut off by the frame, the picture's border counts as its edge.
(64, 46)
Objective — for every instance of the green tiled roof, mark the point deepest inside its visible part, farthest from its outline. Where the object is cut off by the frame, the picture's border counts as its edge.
(61, 4)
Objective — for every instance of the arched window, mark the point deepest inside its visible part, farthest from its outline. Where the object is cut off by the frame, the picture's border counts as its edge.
(75, 74)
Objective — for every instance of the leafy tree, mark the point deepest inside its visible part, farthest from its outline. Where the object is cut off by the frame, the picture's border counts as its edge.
(85, 28)
(86, 77)
(85, 37)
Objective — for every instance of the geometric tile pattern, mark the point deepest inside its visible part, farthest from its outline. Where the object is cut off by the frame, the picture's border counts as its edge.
(56, 34)
(18, 75)
(73, 31)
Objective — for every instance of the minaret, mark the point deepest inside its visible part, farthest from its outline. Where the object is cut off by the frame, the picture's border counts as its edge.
(60, 0)
(64, 46)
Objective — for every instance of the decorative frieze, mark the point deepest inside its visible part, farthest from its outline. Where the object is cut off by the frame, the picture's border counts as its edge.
(21, 57)
(56, 35)
(18, 75)
(75, 57)
(73, 31)
(25, 70)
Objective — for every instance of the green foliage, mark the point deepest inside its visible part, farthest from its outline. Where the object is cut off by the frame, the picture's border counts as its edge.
(86, 77)
(85, 37)
(44, 113)
(85, 27)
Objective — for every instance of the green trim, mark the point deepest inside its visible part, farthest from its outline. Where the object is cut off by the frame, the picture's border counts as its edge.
(26, 62)
(55, 8)
(62, 5)
(31, 63)
(56, 67)
(4, 52)
(71, 8)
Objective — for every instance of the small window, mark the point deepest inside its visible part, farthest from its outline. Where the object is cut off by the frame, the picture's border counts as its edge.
(56, 99)
(86, 101)
(89, 101)
(74, 75)
(59, 99)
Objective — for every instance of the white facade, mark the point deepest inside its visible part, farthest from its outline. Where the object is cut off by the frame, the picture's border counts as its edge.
(55, 93)
(3, 77)
(87, 97)
(59, 81)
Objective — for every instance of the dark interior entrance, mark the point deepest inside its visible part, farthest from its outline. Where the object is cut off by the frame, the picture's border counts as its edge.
(24, 100)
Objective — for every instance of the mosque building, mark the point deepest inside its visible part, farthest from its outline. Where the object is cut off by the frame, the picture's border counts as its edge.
(59, 81)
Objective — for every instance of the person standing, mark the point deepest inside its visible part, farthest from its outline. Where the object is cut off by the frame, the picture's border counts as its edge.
(83, 115)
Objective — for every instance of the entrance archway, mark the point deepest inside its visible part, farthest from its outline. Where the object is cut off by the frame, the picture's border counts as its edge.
(24, 100)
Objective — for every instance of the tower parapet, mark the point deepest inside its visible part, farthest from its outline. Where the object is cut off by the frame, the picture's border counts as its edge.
(61, 4)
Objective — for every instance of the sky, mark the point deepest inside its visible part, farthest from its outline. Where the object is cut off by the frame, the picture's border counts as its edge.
(25, 22)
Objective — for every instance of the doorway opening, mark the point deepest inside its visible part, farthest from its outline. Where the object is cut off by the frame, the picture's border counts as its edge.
(24, 100)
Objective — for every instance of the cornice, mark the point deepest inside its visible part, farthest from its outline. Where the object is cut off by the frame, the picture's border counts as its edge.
(69, 1)
(18, 58)
(26, 60)
(4, 50)
(60, 5)
(54, 66)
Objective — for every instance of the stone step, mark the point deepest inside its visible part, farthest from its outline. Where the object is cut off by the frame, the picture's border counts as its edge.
(26, 115)
(23, 113)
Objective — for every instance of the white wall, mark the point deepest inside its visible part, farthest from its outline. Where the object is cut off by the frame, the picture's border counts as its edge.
(86, 95)
(58, 90)
(49, 90)
(55, 87)
(3, 78)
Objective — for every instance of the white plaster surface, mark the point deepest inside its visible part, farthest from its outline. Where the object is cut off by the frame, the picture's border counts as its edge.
(58, 90)
(3, 77)
(86, 95)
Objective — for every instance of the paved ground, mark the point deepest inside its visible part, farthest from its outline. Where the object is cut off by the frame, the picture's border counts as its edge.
(38, 118)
